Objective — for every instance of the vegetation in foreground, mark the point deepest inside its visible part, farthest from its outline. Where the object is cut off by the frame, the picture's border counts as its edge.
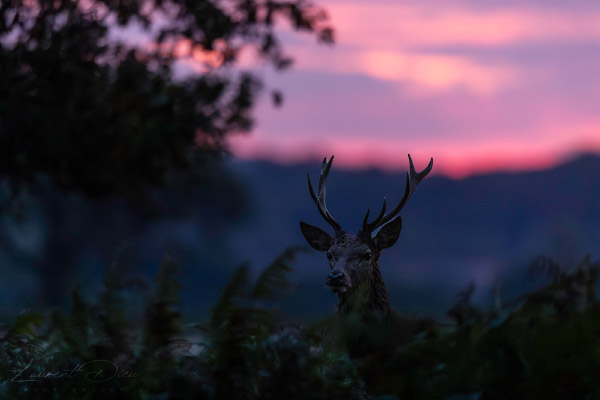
(542, 345)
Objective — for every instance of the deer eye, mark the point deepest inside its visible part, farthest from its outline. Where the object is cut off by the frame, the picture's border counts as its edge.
(368, 256)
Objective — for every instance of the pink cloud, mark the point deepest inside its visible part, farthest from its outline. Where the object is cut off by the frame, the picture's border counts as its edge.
(401, 25)
(434, 72)
(403, 42)
(427, 73)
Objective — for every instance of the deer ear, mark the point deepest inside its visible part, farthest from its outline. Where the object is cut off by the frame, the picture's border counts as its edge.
(388, 235)
(316, 237)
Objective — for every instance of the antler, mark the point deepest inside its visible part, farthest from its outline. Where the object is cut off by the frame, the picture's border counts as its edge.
(320, 201)
(412, 180)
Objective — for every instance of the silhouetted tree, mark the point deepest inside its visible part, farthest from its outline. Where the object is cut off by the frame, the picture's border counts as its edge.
(93, 101)
(100, 112)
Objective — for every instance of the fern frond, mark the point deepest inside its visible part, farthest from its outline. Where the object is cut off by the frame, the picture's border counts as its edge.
(273, 281)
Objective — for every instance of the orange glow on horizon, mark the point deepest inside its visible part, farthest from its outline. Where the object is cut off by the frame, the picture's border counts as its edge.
(456, 160)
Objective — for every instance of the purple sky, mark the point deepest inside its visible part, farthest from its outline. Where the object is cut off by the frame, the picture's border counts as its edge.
(477, 85)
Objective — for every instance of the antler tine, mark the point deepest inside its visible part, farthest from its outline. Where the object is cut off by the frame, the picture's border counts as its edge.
(367, 227)
(412, 180)
(320, 200)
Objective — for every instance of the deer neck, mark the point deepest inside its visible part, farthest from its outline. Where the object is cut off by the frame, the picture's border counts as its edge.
(369, 300)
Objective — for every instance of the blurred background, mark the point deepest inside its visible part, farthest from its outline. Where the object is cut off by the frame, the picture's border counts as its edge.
(134, 129)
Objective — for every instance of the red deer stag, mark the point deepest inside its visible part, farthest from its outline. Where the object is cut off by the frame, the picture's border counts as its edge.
(353, 259)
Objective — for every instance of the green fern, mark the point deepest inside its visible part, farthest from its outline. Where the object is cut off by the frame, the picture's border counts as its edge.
(273, 282)
(542, 345)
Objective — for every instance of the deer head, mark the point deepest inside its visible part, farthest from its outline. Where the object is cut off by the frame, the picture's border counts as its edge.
(353, 258)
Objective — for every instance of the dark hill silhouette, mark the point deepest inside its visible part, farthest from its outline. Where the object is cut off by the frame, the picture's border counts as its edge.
(484, 229)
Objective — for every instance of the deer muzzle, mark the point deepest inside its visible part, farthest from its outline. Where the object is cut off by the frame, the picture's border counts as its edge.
(337, 281)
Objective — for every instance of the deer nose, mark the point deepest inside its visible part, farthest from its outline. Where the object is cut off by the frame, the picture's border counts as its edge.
(335, 277)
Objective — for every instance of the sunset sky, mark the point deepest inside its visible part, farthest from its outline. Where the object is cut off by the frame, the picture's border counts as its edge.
(477, 85)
